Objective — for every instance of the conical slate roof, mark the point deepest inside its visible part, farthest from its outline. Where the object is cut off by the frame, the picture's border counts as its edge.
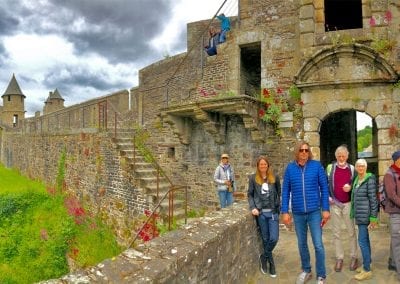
(56, 95)
(13, 88)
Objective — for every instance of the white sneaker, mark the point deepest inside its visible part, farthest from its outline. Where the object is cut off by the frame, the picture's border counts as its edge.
(303, 277)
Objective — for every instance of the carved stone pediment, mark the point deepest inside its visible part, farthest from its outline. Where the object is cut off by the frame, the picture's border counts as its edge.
(345, 64)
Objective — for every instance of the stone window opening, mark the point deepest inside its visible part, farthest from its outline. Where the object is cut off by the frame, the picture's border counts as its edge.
(15, 120)
(171, 152)
(250, 69)
(343, 15)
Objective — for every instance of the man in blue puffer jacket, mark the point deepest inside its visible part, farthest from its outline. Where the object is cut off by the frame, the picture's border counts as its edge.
(305, 184)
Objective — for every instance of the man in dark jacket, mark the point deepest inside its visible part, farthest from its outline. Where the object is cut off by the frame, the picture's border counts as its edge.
(306, 183)
(392, 186)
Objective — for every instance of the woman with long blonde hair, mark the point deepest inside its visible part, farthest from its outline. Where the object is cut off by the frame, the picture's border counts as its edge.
(264, 201)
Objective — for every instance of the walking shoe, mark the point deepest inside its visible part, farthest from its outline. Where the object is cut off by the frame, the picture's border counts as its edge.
(390, 265)
(321, 280)
(353, 264)
(303, 277)
(263, 264)
(339, 265)
(271, 263)
(363, 275)
(361, 269)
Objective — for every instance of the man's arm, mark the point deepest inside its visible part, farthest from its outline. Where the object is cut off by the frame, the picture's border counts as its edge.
(389, 181)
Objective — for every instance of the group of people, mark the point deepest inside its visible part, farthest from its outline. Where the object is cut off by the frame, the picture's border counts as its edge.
(215, 36)
(309, 197)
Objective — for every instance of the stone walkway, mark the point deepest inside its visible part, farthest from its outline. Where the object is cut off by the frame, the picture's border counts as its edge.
(287, 260)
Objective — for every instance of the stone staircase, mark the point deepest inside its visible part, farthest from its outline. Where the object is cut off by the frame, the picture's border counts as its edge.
(149, 180)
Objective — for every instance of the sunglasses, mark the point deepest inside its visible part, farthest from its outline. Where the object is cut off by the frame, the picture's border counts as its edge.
(304, 150)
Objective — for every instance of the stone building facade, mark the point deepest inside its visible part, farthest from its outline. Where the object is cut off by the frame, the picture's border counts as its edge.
(196, 107)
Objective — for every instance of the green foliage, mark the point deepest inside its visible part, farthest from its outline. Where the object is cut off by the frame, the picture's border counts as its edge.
(364, 138)
(383, 46)
(163, 227)
(87, 241)
(61, 171)
(192, 213)
(141, 136)
(275, 102)
(37, 233)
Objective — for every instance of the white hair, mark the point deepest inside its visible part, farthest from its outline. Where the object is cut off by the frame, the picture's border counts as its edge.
(361, 162)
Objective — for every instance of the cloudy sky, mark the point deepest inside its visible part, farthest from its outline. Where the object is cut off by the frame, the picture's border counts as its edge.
(89, 48)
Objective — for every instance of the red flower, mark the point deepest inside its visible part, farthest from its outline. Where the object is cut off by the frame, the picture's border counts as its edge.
(372, 22)
(43, 234)
(261, 113)
(301, 103)
(279, 91)
(388, 16)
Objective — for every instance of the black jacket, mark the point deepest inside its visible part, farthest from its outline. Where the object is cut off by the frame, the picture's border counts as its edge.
(255, 197)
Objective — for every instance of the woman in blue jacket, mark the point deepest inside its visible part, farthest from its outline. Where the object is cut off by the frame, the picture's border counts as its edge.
(264, 201)
(305, 182)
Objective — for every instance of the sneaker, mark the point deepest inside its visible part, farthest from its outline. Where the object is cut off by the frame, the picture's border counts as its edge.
(361, 269)
(321, 280)
(263, 264)
(272, 271)
(303, 277)
(364, 275)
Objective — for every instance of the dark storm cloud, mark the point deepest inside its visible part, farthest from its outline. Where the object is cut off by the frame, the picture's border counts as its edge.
(67, 77)
(7, 23)
(119, 30)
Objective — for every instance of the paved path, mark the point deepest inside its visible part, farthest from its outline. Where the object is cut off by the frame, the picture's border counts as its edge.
(287, 260)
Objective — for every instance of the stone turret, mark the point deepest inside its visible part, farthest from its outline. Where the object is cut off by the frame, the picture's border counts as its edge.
(13, 104)
(53, 103)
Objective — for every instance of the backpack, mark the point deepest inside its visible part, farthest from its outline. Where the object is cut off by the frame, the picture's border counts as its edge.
(382, 195)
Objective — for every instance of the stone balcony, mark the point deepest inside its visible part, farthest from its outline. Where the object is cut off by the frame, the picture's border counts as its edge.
(209, 112)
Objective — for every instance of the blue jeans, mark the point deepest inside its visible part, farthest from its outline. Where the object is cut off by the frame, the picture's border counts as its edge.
(222, 36)
(302, 222)
(225, 198)
(269, 229)
(365, 246)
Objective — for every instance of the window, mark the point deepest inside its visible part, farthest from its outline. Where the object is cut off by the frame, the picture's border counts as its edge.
(171, 152)
(15, 120)
(250, 69)
(343, 14)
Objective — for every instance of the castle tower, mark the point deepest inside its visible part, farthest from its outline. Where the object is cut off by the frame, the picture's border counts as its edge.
(53, 103)
(13, 104)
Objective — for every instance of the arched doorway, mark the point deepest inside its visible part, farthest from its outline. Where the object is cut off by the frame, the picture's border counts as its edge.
(342, 128)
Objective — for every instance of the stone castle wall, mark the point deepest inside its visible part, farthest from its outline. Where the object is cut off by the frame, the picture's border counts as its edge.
(292, 41)
(222, 247)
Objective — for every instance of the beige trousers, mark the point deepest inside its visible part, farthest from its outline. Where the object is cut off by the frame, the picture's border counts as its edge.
(340, 216)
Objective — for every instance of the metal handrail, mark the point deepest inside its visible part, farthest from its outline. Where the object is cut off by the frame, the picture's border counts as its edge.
(170, 191)
(159, 170)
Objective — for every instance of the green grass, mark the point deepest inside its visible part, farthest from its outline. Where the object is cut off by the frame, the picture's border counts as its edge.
(37, 233)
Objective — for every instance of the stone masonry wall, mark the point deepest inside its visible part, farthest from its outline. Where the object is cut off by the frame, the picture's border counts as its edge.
(94, 173)
(222, 247)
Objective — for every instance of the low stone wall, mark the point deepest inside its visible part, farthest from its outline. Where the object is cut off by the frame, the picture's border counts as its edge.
(222, 247)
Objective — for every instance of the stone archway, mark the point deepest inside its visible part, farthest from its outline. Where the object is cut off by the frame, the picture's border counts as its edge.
(348, 77)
